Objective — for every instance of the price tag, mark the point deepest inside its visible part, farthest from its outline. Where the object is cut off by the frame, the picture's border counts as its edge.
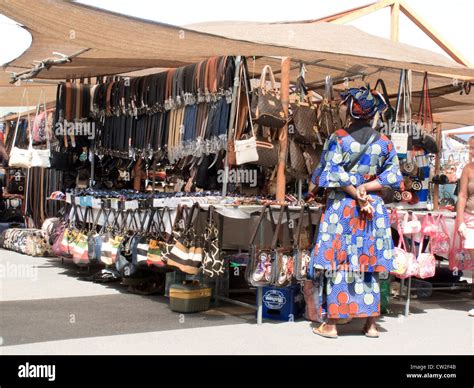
(400, 142)
(114, 203)
(96, 203)
(131, 205)
(158, 202)
(68, 198)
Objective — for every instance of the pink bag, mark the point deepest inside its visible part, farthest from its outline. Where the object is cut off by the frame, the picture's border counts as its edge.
(412, 226)
(459, 258)
(404, 262)
(441, 242)
(426, 262)
(429, 227)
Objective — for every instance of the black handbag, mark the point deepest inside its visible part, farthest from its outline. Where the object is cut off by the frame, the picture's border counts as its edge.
(16, 181)
(267, 109)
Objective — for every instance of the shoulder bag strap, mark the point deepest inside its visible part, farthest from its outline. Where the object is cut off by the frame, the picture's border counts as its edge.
(356, 157)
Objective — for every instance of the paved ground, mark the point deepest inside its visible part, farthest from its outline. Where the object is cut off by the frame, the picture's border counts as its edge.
(45, 309)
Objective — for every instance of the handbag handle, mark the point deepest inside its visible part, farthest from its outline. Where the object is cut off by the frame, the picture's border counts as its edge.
(263, 77)
(248, 103)
(385, 94)
(23, 98)
(277, 230)
(328, 88)
(259, 222)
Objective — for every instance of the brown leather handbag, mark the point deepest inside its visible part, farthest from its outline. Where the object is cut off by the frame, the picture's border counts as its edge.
(267, 109)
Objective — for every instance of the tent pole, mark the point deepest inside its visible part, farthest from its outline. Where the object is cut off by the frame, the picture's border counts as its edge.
(283, 138)
(437, 167)
(231, 130)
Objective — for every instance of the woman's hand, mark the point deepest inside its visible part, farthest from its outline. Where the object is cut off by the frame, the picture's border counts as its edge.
(462, 230)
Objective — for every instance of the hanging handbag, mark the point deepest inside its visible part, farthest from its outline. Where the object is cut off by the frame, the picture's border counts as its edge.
(112, 241)
(305, 116)
(213, 261)
(428, 226)
(426, 261)
(246, 149)
(283, 268)
(412, 226)
(441, 241)
(329, 120)
(400, 135)
(94, 242)
(267, 150)
(404, 262)
(186, 254)
(157, 241)
(259, 270)
(16, 181)
(80, 251)
(21, 157)
(267, 109)
(424, 118)
(302, 253)
(297, 166)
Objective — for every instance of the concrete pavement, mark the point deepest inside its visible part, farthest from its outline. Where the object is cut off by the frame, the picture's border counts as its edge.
(51, 312)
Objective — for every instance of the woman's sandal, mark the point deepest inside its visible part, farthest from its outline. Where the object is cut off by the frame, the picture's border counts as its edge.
(370, 335)
(316, 330)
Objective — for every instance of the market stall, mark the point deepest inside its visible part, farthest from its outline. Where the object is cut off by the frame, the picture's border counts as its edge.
(236, 134)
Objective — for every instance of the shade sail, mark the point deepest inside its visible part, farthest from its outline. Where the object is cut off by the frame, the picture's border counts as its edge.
(119, 44)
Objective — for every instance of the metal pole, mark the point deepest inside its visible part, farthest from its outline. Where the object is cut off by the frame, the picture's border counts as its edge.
(259, 305)
(300, 190)
(233, 108)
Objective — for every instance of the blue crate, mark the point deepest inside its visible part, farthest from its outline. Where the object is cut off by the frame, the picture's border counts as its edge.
(283, 304)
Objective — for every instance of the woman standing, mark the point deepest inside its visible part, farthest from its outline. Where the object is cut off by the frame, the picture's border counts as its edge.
(465, 207)
(354, 242)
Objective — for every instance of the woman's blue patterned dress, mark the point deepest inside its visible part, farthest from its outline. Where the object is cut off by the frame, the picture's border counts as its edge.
(353, 250)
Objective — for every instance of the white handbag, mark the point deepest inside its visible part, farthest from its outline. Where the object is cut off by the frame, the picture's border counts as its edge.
(19, 157)
(412, 226)
(41, 158)
(246, 149)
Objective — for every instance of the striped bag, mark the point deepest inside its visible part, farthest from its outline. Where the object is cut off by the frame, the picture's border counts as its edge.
(110, 248)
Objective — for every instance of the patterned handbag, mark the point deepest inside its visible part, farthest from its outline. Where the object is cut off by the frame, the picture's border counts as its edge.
(305, 116)
(186, 253)
(283, 268)
(267, 150)
(297, 167)
(112, 240)
(80, 250)
(213, 261)
(404, 262)
(266, 107)
(259, 269)
(302, 252)
(441, 241)
(329, 119)
(156, 243)
(426, 261)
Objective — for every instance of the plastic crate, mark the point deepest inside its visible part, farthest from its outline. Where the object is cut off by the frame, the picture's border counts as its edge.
(283, 304)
